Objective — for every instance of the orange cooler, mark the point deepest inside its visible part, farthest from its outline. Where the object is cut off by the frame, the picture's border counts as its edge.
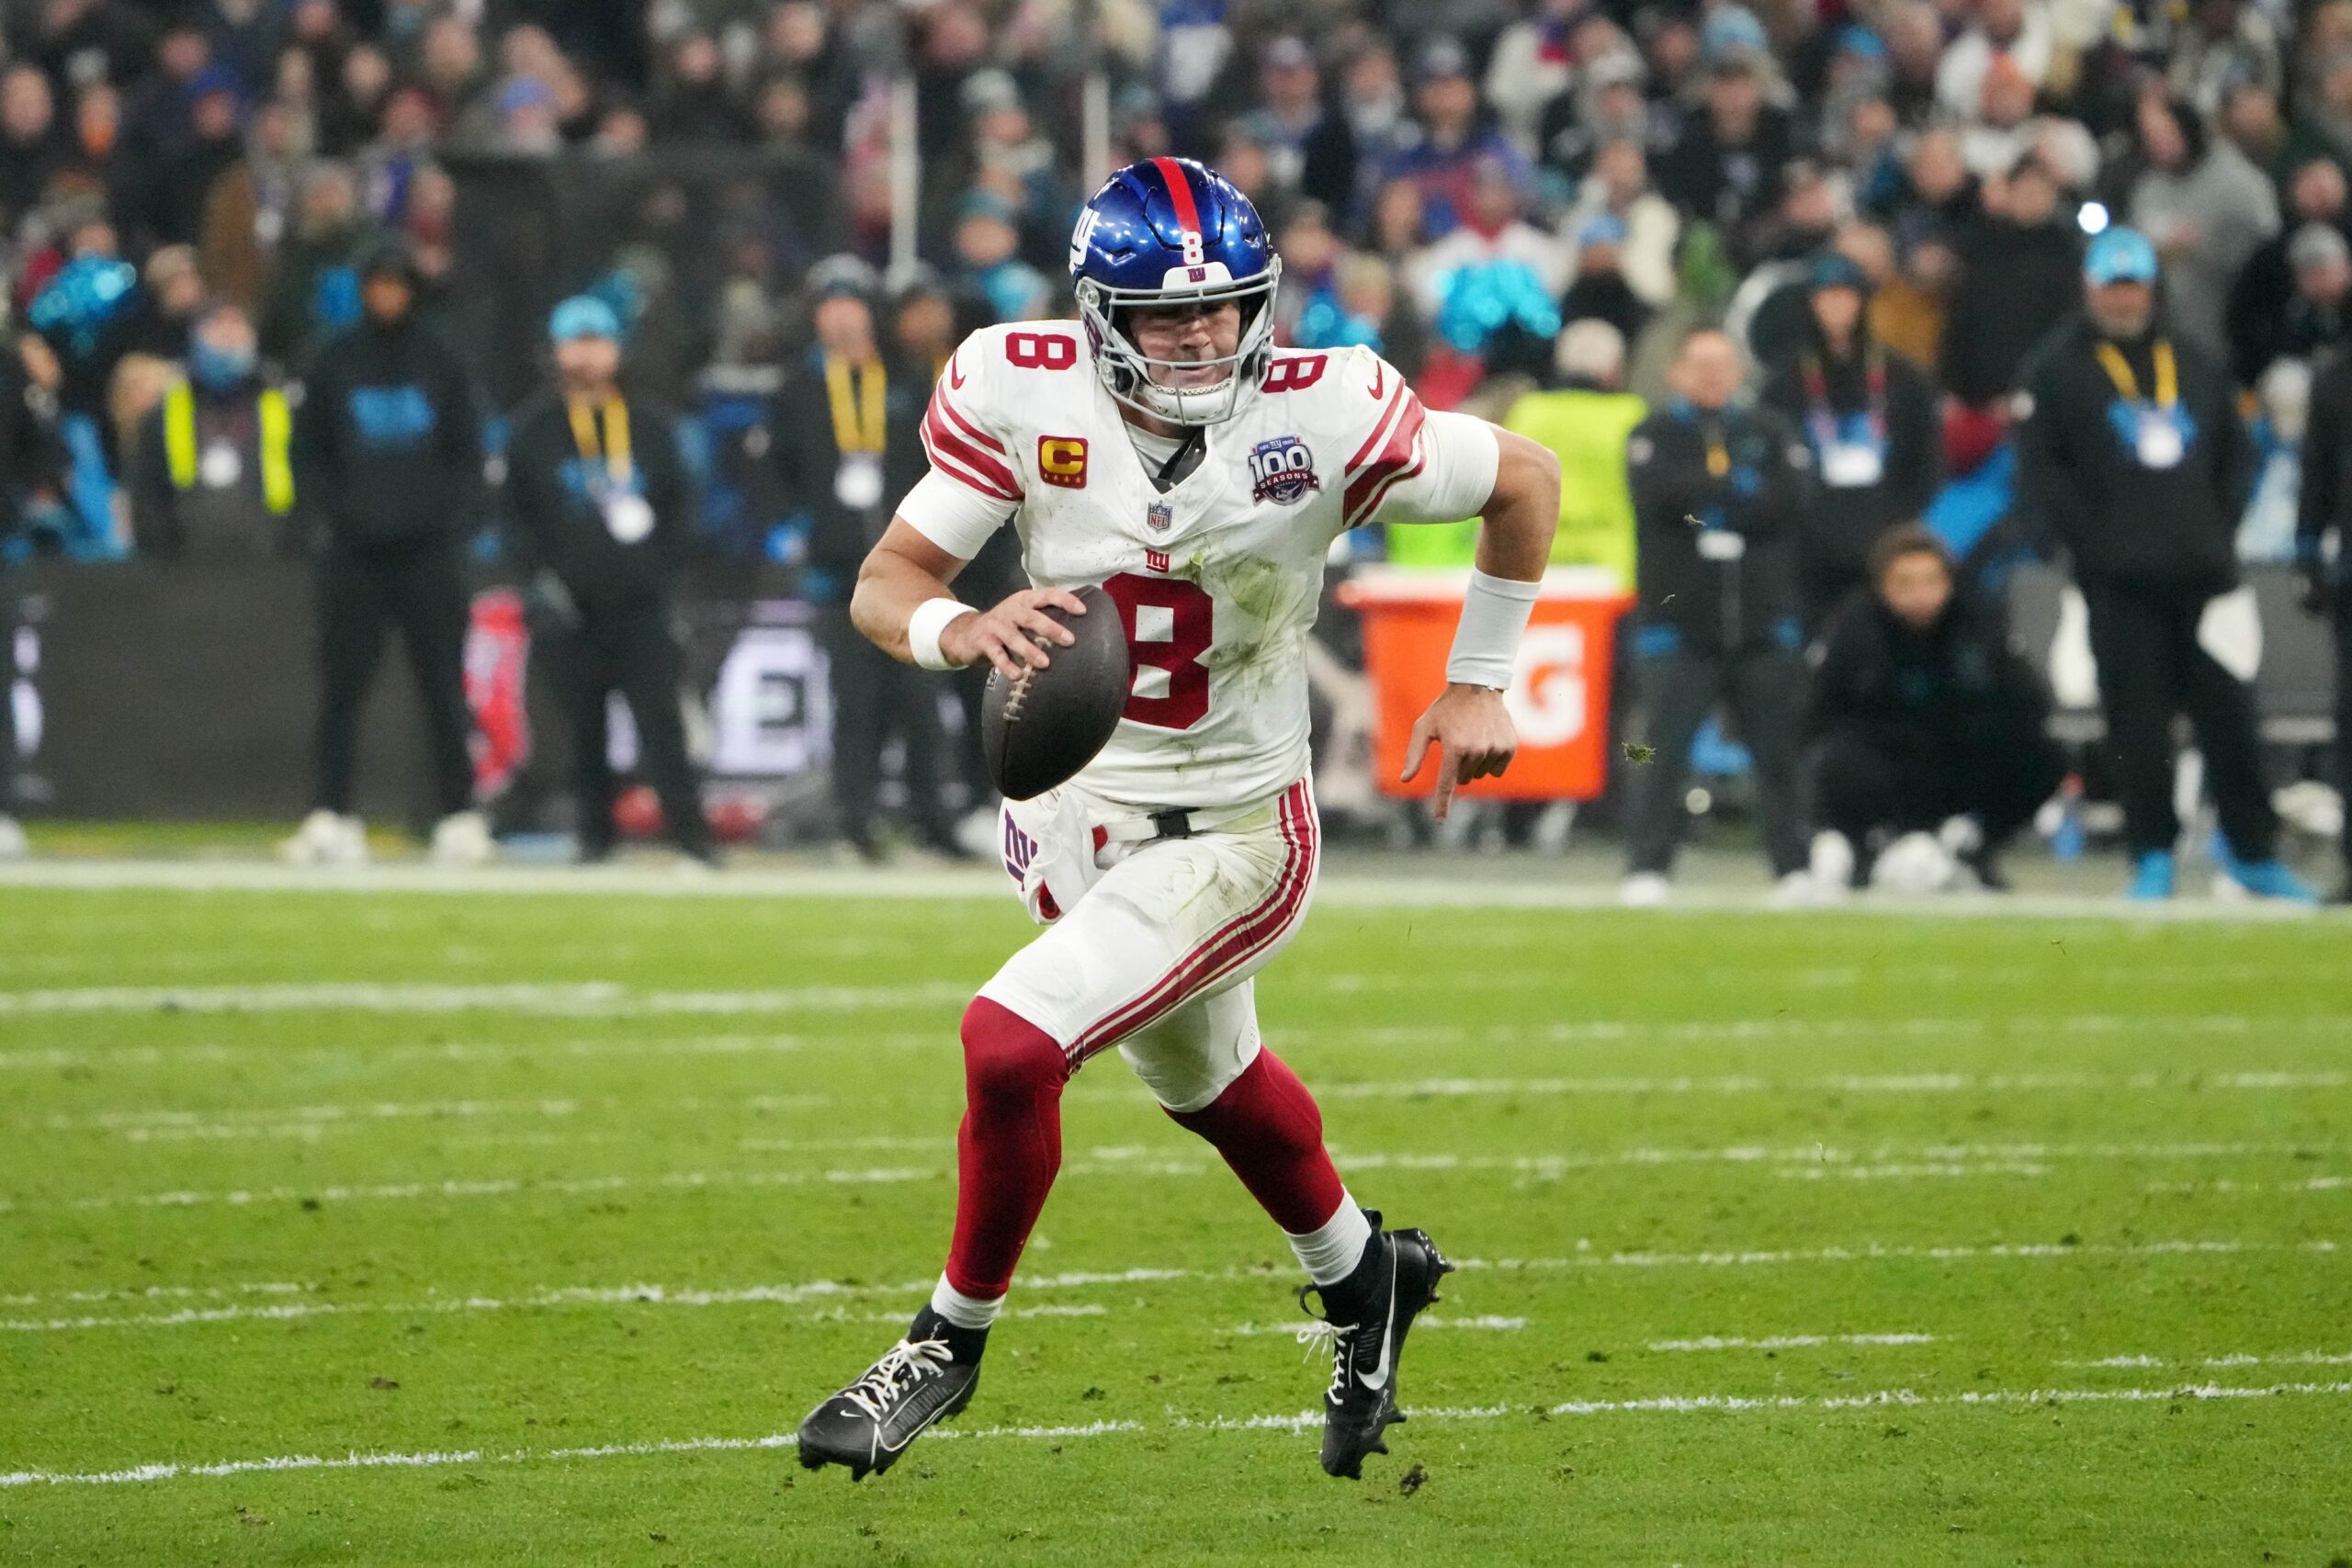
(1559, 690)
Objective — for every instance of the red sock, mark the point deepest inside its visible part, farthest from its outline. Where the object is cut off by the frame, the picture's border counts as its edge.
(1009, 1147)
(1267, 1127)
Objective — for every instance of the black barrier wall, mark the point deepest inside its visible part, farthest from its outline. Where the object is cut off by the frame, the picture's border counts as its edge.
(189, 691)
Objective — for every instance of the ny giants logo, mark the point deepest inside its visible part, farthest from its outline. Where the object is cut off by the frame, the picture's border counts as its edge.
(1284, 469)
(1155, 559)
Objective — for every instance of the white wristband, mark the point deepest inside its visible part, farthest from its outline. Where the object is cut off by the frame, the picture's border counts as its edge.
(1494, 617)
(931, 619)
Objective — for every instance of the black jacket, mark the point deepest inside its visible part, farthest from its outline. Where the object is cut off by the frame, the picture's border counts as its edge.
(1927, 697)
(807, 459)
(2116, 517)
(387, 441)
(556, 523)
(2016, 285)
(1715, 605)
(33, 455)
(2327, 464)
(1869, 398)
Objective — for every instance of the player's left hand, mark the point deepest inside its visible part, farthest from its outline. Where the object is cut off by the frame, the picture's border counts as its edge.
(1472, 733)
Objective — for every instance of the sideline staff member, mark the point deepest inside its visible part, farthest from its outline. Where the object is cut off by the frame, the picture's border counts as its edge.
(1869, 419)
(214, 476)
(602, 505)
(387, 451)
(1924, 719)
(2134, 450)
(848, 449)
(1719, 491)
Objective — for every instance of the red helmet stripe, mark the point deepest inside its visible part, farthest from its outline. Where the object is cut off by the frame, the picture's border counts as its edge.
(1179, 190)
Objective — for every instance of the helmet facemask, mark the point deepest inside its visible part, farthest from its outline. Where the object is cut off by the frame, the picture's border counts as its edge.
(1127, 373)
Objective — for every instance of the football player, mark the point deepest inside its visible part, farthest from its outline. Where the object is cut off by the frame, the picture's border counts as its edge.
(1162, 446)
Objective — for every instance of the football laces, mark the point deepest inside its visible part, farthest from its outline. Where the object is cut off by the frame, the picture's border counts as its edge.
(901, 1366)
(1332, 1340)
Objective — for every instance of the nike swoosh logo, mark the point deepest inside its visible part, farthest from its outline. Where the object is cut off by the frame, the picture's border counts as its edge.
(1378, 1377)
(1379, 379)
(954, 373)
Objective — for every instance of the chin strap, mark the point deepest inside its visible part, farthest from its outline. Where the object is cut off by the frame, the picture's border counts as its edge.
(1184, 460)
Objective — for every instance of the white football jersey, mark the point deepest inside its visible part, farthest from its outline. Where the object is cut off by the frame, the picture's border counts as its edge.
(1218, 581)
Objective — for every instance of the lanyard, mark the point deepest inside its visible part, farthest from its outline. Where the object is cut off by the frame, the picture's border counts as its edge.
(1718, 455)
(618, 467)
(857, 419)
(2127, 386)
(1822, 419)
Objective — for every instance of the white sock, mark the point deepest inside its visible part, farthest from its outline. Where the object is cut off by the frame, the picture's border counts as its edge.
(963, 1311)
(1331, 1252)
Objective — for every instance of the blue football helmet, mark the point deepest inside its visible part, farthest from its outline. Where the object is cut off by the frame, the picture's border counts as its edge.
(1168, 231)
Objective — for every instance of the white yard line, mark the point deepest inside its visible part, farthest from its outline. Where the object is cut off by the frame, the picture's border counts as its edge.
(659, 1295)
(587, 999)
(1786, 1341)
(1700, 1403)
(1341, 885)
(2240, 1358)
(1799, 1160)
(1487, 1323)
(1836, 1083)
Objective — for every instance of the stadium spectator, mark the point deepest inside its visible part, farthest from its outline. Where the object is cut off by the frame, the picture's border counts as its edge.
(1923, 720)
(388, 453)
(1311, 150)
(2014, 33)
(2020, 273)
(845, 474)
(2135, 454)
(2205, 209)
(1452, 143)
(1719, 491)
(1618, 185)
(601, 505)
(1869, 418)
(1584, 422)
(2322, 520)
(212, 472)
(1727, 168)
(2313, 196)
(2301, 319)
(1602, 291)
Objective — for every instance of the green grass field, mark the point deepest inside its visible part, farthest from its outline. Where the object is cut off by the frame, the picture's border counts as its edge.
(513, 1229)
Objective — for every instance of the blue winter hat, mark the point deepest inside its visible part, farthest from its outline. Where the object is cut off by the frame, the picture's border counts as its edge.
(1833, 269)
(583, 315)
(2120, 255)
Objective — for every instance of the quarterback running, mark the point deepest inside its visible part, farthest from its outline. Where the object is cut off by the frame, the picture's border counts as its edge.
(1163, 447)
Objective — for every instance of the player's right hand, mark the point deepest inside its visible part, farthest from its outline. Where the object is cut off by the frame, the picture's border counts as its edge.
(1012, 636)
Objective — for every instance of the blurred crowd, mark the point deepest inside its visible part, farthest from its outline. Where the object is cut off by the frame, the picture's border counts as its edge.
(1527, 205)
(1452, 182)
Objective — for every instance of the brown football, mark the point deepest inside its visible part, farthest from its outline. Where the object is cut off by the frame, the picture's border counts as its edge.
(1038, 731)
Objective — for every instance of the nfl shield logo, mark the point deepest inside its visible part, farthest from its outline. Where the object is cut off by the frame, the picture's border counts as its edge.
(1284, 469)
(1159, 517)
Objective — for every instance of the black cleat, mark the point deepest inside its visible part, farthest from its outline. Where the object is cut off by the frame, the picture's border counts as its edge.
(869, 1423)
(1387, 1291)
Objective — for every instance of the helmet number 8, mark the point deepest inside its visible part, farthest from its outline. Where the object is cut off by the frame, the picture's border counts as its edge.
(1192, 253)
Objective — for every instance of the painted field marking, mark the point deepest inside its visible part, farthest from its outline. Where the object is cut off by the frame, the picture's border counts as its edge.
(1486, 1323)
(1785, 1341)
(589, 1000)
(1700, 1403)
(2240, 1358)
(1884, 1162)
(650, 1294)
